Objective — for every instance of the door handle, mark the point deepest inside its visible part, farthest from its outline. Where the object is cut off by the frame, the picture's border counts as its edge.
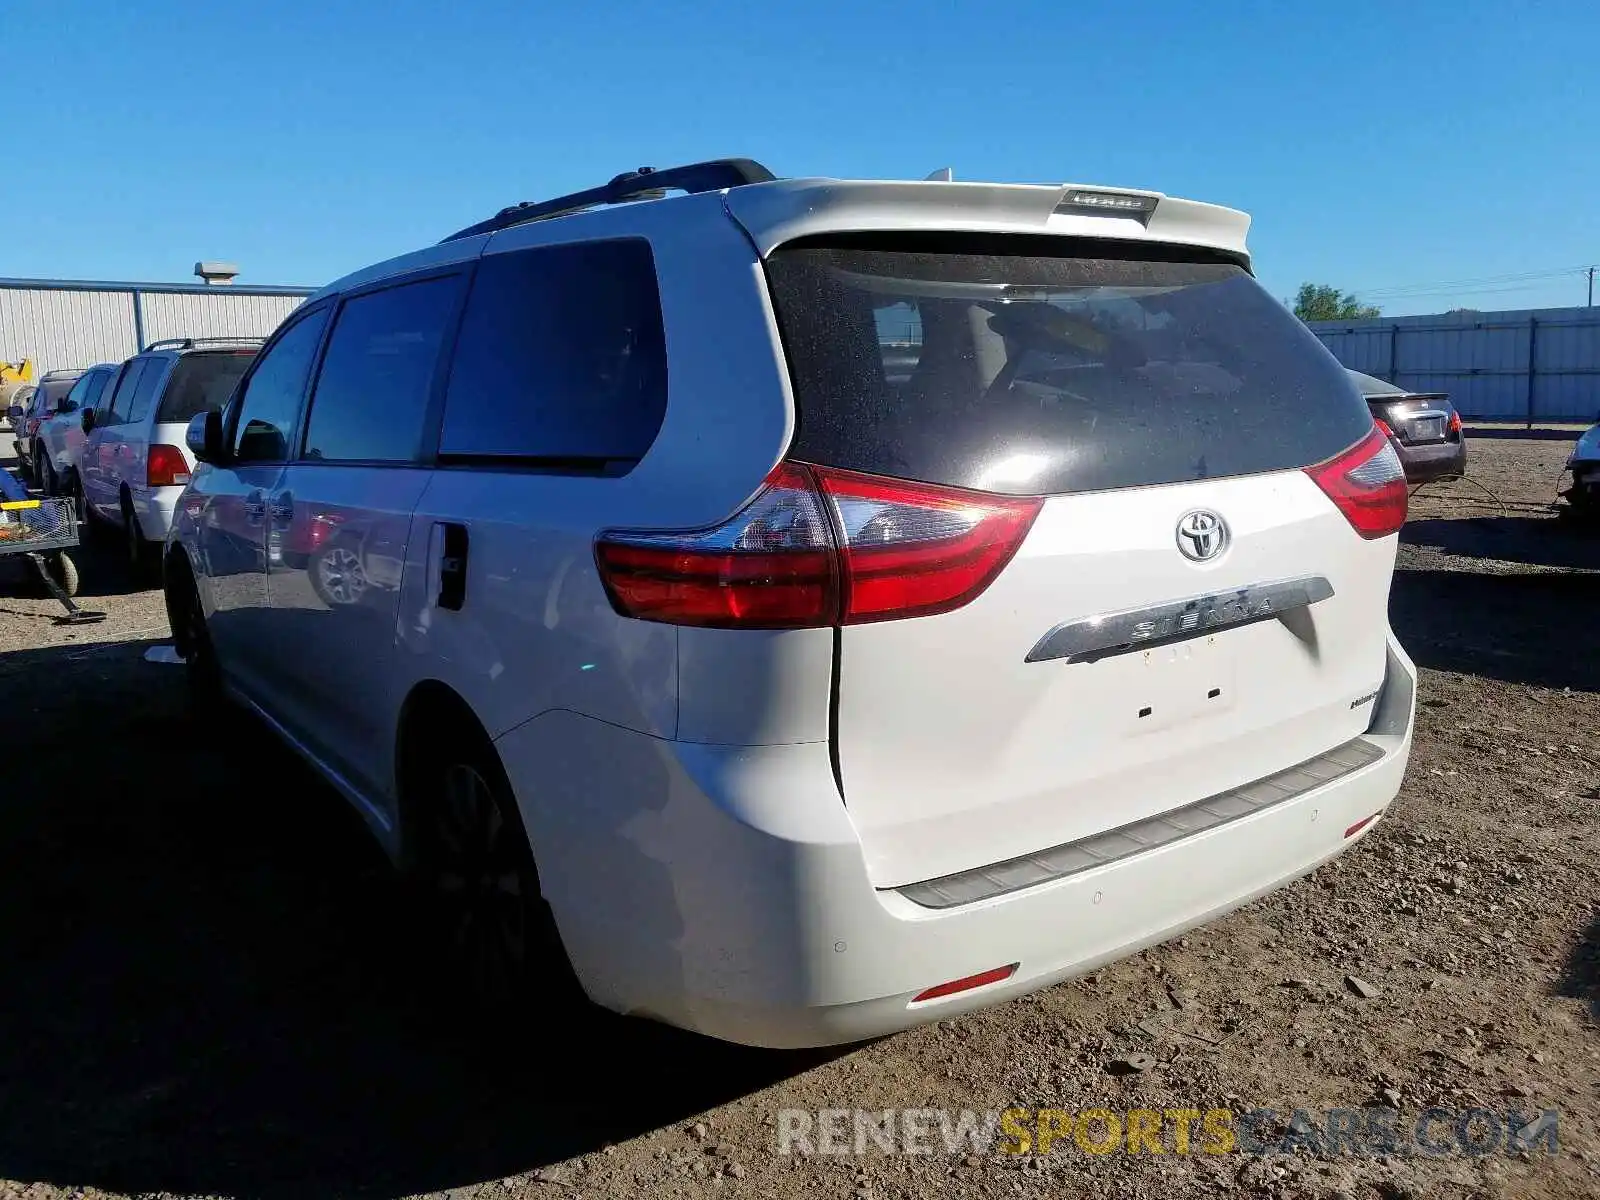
(453, 568)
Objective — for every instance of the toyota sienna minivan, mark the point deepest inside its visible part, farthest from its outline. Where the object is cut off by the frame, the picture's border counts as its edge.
(798, 609)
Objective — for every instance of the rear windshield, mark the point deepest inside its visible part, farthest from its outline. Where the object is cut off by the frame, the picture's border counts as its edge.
(201, 382)
(1037, 373)
(48, 397)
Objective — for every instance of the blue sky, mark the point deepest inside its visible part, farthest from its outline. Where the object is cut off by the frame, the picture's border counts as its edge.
(1378, 145)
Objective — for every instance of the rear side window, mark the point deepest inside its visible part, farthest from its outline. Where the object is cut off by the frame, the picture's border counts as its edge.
(155, 371)
(201, 383)
(561, 358)
(83, 393)
(95, 388)
(371, 399)
(1031, 374)
(117, 411)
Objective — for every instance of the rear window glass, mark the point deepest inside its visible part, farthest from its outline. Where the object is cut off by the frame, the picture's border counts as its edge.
(1037, 374)
(561, 358)
(202, 383)
(51, 391)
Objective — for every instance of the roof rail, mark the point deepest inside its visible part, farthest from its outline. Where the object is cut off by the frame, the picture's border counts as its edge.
(189, 343)
(646, 183)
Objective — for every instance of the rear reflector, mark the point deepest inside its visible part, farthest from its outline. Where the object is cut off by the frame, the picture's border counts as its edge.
(1368, 484)
(817, 547)
(166, 467)
(966, 985)
(1360, 825)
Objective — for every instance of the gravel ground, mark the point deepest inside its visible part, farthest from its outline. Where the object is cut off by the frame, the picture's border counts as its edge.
(206, 989)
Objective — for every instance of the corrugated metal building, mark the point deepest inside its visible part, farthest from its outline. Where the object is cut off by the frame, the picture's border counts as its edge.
(1522, 365)
(63, 323)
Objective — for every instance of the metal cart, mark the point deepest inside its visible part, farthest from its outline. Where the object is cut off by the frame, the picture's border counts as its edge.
(44, 530)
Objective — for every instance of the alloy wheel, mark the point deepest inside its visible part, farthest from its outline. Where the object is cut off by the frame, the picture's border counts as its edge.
(482, 883)
(342, 577)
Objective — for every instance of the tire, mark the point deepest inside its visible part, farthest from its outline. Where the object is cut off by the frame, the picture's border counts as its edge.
(187, 617)
(64, 571)
(479, 884)
(135, 549)
(48, 483)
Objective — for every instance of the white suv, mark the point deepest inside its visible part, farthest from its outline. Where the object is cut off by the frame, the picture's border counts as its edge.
(133, 464)
(845, 604)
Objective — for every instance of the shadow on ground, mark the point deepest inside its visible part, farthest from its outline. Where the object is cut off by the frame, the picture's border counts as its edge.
(207, 986)
(1537, 541)
(1537, 629)
(1580, 976)
(1519, 433)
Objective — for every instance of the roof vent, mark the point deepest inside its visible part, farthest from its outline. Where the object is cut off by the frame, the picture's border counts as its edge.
(216, 272)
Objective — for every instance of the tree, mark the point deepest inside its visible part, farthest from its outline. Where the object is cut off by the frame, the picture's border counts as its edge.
(1322, 302)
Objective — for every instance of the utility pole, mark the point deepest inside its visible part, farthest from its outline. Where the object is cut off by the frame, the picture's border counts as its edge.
(1591, 287)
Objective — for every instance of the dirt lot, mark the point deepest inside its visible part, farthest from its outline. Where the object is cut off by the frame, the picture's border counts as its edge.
(204, 988)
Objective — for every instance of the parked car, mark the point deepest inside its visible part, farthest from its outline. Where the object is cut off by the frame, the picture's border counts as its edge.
(1424, 427)
(1582, 495)
(133, 463)
(772, 697)
(58, 442)
(51, 389)
(18, 407)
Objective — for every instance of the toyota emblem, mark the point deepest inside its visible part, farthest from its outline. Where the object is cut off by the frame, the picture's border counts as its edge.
(1202, 535)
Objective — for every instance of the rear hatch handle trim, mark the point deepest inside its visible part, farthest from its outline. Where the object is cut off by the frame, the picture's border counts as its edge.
(1087, 639)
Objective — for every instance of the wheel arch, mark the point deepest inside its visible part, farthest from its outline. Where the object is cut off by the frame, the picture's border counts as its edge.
(431, 708)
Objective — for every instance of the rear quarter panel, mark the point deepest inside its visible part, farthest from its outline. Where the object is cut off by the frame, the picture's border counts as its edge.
(537, 632)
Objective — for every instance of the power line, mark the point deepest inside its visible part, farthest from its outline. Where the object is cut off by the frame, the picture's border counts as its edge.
(1445, 285)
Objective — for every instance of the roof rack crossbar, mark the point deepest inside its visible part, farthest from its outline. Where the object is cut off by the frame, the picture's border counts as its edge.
(645, 183)
(189, 343)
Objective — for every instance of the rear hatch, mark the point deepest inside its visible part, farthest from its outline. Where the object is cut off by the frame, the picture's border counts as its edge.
(1419, 419)
(1167, 603)
(201, 381)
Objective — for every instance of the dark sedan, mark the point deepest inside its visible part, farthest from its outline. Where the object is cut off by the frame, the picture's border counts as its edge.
(1424, 427)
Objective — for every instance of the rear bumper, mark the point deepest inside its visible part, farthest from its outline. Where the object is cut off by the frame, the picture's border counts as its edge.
(724, 890)
(1433, 461)
(155, 508)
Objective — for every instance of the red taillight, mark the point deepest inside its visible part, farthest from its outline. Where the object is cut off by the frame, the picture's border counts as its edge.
(1383, 427)
(166, 467)
(1368, 484)
(816, 547)
(1455, 421)
(966, 985)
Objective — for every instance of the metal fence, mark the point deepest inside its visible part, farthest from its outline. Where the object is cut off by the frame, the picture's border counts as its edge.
(67, 323)
(1525, 365)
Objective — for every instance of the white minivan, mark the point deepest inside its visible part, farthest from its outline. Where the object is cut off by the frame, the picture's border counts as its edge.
(133, 464)
(806, 608)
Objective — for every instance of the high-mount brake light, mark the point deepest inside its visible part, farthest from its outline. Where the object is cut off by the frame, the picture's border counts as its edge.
(1108, 201)
(815, 547)
(1368, 484)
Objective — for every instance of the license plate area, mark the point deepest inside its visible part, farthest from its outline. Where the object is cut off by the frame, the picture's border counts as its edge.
(1170, 685)
(1427, 429)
